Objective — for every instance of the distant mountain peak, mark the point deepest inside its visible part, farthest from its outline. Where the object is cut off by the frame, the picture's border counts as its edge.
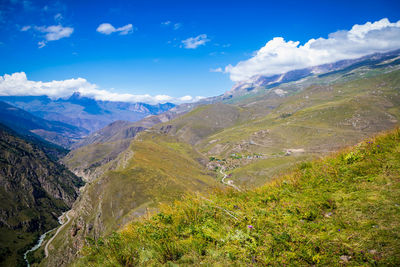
(270, 81)
(75, 95)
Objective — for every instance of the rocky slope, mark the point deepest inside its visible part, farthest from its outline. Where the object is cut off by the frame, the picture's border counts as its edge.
(151, 171)
(35, 190)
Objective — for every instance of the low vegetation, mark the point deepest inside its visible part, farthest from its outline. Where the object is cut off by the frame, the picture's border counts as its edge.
(248, 141)
(324, 118)
(343, 209)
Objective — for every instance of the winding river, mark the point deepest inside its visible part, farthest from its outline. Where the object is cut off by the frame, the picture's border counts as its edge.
(40, 241)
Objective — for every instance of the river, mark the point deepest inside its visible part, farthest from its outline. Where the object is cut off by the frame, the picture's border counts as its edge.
(40, 241)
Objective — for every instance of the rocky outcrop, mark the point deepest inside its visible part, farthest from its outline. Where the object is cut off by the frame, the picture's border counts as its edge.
(34, 190)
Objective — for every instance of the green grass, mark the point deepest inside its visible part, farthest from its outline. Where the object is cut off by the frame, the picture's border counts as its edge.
(264, 170)
(343, 209)
(205, 121)
(160, 170)
(90, 157)
(324, 117)
(155, 169)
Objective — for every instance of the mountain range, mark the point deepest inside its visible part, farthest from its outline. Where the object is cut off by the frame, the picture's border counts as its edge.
(249, 136)
(345, 66)
(137, 159)
(27, 124)
(84, 112)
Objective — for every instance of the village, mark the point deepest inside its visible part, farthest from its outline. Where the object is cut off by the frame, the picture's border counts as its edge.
(234, 160)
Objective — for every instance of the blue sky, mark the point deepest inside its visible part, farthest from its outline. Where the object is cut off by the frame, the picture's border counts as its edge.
(150, 57)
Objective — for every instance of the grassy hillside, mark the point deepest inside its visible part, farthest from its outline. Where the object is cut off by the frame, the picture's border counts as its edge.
(251, 140)
(343, 209)
(155, 169)
(313, 122)
(106, 144)
(205, 121)
(161, 169)
(313, 116)
(89, 161)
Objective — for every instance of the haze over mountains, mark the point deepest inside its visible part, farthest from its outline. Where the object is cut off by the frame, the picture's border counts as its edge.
(27, 124)
(84, 112)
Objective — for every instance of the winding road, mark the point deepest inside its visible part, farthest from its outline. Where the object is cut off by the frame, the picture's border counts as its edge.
(230, 182)
(46, 248)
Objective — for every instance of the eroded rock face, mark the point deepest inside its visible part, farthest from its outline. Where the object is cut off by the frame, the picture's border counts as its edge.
(34, 189)
(85, 223)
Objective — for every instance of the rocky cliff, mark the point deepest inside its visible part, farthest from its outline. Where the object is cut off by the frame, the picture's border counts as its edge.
(34, 191)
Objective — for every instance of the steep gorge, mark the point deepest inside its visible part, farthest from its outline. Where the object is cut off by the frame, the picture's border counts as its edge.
(35, 190)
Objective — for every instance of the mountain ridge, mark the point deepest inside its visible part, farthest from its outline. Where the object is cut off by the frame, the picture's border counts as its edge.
(84, 112)
(27, 124)
(325, 69)
(251, 138)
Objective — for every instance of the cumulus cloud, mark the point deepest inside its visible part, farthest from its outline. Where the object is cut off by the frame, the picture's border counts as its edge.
(55, 32)
(17, 84)
(166, 23)
(194, 42)
(279, 56)
(107, 28)
(51, 33)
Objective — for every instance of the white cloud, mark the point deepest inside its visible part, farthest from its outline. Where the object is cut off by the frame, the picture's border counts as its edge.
(107, 28)
(26, 28)
(41, 44)
(51, 33)
(168, 23)
(17, 84)
(124, 30)
(279, 56)
(55, 32)
(217, 70)
(194, 42)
